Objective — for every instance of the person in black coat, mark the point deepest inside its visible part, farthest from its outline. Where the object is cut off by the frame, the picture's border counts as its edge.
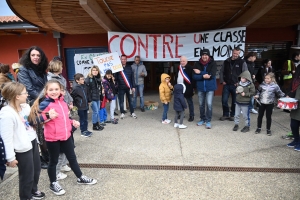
(184, 75)
(264, 70)
(179, 104)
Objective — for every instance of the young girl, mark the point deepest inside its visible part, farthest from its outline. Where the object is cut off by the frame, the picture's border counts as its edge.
(165, 95)
(20, 140)
(179, 105)
(267, 92)
(57, 131)
(110, 90)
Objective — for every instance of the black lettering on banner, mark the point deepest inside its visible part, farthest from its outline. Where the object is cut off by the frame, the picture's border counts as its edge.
(204, 38)
(226, 51)
(235, 36)
(197, 52)
(81, 62)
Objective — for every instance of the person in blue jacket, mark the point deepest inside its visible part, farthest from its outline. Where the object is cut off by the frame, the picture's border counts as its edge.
(205, 76)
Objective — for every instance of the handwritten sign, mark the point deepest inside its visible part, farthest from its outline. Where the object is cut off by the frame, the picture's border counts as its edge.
(108, 61)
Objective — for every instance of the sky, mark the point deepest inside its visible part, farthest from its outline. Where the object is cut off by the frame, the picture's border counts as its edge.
(4, 9)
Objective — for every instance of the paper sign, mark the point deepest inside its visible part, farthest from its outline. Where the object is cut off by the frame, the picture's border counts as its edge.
(108, 61)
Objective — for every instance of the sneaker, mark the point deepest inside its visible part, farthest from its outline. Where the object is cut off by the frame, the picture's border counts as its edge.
(107, 122)
(288, 136)
(168, 120)
(122, 116)
(292, 144)
(133, 115)
(200, 123)
(57, 189)
(84, 180)
(245, 129)
(86, 134)
(38, 195)
(181, 126)
(61, 176)
(164, 122)
(176, 125)
(269, 133)
(102, 124)
(236, 127)
(257, 130)
(297, 147)
(208, 125)
(65, 168)
(223, 118)
(114, 121)
(253, 111)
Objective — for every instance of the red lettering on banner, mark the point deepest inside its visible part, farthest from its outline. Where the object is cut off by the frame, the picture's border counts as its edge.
(168, 45)
(199, 41)
(134, 45)
(110, 40)
(155, 44)
(140, 43)
(177, 45)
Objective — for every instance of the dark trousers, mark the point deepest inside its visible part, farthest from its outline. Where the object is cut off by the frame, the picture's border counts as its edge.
(29, 167)
(295, 124)
(121, 93)
(66, 147)
(181, 114)
(228, 90)
(191, 105)
(261, 111)
(83, 119)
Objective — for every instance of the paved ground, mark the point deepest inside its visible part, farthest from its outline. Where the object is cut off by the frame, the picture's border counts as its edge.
(145, 141)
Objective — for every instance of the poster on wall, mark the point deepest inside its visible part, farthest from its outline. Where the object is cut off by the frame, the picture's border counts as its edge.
(83, 62)
(169, 47)
(108, 61)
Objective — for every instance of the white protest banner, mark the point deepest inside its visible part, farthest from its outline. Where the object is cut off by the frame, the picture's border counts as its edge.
(169, 47)
(108, 61)
(83, 62)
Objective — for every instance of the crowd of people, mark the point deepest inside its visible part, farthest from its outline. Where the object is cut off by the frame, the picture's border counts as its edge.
(37, 129)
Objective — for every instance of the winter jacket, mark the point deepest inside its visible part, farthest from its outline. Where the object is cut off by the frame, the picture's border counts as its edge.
(164, 89)
(268, 92)
(179, 102)
(295, 114)
(260, 76)
(137, 70)
(59, 128)
(189, 92)
(206, 85)
(95, 87)
(62, 80)
(249, 89)
(81, 97)
(14, 133)
(129, 74)
(229, 73)
(251, 68)
(108, 90)
(34, 84)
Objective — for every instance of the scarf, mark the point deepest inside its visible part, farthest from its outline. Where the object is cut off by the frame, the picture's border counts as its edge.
(38, 70)
(204, 63)
(244, 84)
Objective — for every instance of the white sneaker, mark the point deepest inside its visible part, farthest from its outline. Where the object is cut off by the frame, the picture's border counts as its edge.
(168, 120)
(122, 116)
(133, 115)
(181, 126)
(176, 125)
(164, 122)
(65, 168)
(254, 111)
(57, 189)
(61, 176)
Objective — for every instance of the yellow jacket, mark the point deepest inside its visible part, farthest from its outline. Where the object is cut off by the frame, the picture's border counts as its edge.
(164, 89)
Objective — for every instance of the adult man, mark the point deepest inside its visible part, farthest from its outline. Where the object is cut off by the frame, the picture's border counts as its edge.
(205, 76)
(126, 84)
(250, 59)
(288, 70)
(139, 72)
(184, 76)
(231, 69)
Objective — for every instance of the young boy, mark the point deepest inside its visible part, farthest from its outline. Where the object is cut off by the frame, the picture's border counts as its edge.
(245, 90)
(165, 95)
(81, 99)
(179, 105)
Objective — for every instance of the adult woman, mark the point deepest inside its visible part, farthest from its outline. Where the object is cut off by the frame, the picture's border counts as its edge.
(93, 81)
(32, 74)
(264, 70)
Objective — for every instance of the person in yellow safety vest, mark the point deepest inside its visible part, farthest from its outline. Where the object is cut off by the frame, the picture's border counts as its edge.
(288, 70)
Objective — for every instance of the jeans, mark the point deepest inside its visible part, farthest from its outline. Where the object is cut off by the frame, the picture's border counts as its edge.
(191, 105)
(261, 111)
(251, 105)
(295, 124)
(67, 147)
(165, 113)
(227, 90)
(181, 114)
(138, 89)
(205, 98)
(83, 119)
(95, 105)
(121, 99)
(103, 115)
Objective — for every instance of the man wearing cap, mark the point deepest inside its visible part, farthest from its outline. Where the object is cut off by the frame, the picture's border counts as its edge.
(205, 76)
(231, 69)
(184, 76)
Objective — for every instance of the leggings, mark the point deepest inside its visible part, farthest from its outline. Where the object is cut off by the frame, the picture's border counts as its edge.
(261, 111)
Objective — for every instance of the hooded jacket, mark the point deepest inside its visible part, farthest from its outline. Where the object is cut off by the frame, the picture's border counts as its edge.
(179, 102)
(164, 89)
(229, 72)
(188, 69)
(206, 85)
(249, 89)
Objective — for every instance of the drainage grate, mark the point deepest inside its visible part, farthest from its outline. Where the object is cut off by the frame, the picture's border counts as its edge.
(192, 168)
